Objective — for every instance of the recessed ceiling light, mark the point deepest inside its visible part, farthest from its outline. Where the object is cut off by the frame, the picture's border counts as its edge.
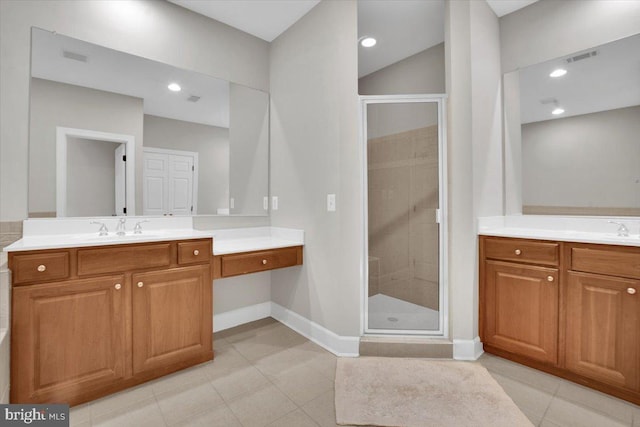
(559, 72)
(557, 111)
(368, 42)
(174, 87)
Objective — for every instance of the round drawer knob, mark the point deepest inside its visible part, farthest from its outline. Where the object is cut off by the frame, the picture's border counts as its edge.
(118, 286)
(42, 268)
(196, 252)
(631, 291)
(140, 284)
(518, 251)
(549, 278)
(264, 262)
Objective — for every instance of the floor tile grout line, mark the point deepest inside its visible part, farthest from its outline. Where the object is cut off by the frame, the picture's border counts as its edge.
(155, 398)
(287, 414)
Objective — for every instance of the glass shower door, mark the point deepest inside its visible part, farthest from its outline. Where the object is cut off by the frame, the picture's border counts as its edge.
(403, 175)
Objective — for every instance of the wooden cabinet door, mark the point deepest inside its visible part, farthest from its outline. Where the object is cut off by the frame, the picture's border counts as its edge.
(521, 309)
(172, 317)
(603, 328)
(67, 338)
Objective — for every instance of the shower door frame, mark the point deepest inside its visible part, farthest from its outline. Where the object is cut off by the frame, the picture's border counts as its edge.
(443, 289)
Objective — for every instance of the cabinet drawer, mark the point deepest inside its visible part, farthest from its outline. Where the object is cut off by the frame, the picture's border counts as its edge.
(195, 252)
(233, 265)
(613, 262)
(522, 251)
(123, 258)
(40, 267)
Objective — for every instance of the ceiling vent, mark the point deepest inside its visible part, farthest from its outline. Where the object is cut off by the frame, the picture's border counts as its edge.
(582, 56)
(546, 101)
(193, 98)
(74, 56)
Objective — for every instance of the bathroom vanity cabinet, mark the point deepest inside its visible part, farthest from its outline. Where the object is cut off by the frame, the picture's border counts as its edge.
(89, 321)
(570, 309)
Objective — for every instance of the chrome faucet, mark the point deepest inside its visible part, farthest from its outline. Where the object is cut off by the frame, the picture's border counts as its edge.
(623, 231)
(138, 228)
(103, 228)
(120, 230)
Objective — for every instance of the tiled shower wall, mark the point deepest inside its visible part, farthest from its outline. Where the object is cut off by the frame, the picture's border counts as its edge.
(403, 233)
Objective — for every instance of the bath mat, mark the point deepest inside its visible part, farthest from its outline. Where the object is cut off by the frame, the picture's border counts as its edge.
(388, 391)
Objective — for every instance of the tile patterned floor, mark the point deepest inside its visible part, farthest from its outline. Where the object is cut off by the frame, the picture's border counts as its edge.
(255, 380)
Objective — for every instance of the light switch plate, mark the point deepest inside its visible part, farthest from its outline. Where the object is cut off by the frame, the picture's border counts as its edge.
(331, 202)
(265, 203)
(274, 203)
(232, 203)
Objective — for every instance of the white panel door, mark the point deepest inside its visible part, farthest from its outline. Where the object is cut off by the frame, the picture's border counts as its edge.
(168, 182)
(155, 180)
(180, 184)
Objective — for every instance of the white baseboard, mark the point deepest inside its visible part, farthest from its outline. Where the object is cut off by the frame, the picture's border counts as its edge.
(240, 316)
(343, 346)
(467, 349)
(336, 344)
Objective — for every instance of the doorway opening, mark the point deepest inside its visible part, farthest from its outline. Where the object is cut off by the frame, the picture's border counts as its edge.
(95, 173)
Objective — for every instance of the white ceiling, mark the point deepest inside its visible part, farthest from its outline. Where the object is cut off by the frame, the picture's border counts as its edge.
(118, 72)
(401, 27)
(266, 19)
(505, 7)
(607, 81)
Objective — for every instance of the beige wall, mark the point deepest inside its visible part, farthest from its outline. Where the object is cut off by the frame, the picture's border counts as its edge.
(486, 106)
(58, 104)
(473, 73)
(157, 30)
(591, 160)
(315, 151)
(212, 145)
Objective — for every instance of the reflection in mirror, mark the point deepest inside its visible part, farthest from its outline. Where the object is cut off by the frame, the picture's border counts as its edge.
(108, 136)
(580, 121)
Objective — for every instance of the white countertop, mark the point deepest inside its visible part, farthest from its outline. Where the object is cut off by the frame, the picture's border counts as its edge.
(30, 243)
(566, 229)
(255, 239)
(71, 233)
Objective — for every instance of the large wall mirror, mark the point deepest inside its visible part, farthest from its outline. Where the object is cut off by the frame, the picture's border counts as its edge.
(116, 134)
(579, 128)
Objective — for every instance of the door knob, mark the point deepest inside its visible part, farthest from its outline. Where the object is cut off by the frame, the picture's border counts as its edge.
(196, 252)
(549, 278)
(118, 286)
(140, 284)
(518, 251)
(42, 268)
(631, 291)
